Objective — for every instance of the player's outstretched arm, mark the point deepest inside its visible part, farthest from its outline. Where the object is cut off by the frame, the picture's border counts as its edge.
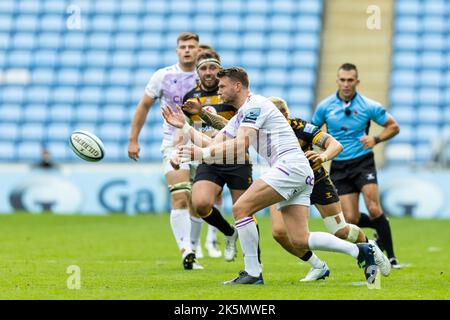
(139, 118)
(176, 119)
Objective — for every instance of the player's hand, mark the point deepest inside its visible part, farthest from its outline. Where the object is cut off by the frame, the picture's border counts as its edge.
(133, 150)
(368, 142)
(174, 118)
(174, 159)
(316, 157)
(187, 153)
(193, 106)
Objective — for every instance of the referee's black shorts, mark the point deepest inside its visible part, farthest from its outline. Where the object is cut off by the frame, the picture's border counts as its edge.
(350, 176)
(236, 176)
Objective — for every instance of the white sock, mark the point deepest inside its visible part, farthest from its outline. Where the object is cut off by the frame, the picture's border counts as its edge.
(248, 236)
(211, 236)
(315, 262)
(327, 242)
(181, 227)
(196, 228)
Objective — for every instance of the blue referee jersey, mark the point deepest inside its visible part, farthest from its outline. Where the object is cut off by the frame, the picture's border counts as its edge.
(348, 122)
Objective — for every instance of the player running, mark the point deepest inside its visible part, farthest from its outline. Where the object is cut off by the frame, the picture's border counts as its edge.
(288, 182)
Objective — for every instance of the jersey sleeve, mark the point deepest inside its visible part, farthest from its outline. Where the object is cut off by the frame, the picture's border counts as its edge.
(378, 114)
(153, 87)
(318, 117)
(230, 130)
(254, 117)
(305, 130)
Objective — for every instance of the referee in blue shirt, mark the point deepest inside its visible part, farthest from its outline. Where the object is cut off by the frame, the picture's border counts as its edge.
(347, 115)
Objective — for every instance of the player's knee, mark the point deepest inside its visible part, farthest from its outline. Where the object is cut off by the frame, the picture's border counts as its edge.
(279, 234)
(202, 208)
(342, 233)
(338, 226)
(180, 195)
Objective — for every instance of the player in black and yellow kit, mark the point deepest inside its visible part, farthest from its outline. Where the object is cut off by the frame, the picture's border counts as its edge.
(324, 195)
(211, 178)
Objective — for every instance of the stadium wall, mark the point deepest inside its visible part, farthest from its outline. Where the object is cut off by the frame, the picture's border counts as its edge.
(141, 189)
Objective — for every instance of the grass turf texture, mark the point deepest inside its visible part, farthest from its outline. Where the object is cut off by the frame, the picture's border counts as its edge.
(124, 257)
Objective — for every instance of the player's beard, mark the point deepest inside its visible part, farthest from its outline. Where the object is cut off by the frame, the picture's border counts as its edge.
(212, 87)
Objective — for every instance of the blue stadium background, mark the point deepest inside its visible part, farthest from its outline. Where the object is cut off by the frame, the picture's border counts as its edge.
(57, 79)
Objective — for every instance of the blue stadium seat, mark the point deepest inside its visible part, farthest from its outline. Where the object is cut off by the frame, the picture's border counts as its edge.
(23, 40)
(103, 23)
(69, 77)
(430, 96)
(115, 113)
(426, 133)
(48, 40)
(412, 24)
(308, 23)
(54, 6)
(38, 94)
(94, 77)
(149, 60)
(112, 132)
(432, 60)
(253, 41)
(6, 22)
(121, 77)
(279, 59)
(299, 110)
(258, 23)
(404, 115)
(422, 152)
(71, 58)
(9, 131)
(306, 41)
(178, 23)
(32, 131)
(11, 112)
(8, 150)
(19, 59)
(258, 6)
(232, 6)
(406, 60)
(119, 95)
(123, 58)
(280, 41)
(204, 23)
(311, 7)
(404, 78)
(434, 23)
(153, 23)
(114, 151)
(399, 153)
(43, 76)
(13, 94)
(128, 23)
(403, 96)
(407, 134)
(429, 114)
(26, 22)
(284, 7)
(59, 151)
(282, 23)
(252, 59)
(408, 42)
(300, 95)
(157, 7)
(50, 22)
(228, 41)
(29, 150)
(45, 58)
(58, 131)
(230, 23)
(305, 59)
(75, 40)
(431, 78)
(302, 77)
(434, 41)
(87, 113)
(61, 113)
(87, 126)
(100, 40)
(274, 77)
(91, 95)
(36, 113)
(97, 58)
(408, 7)
(7, 6)
(126, 41)
(67, 94)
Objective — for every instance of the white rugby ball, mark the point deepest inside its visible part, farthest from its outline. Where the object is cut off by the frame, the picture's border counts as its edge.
(87, 146)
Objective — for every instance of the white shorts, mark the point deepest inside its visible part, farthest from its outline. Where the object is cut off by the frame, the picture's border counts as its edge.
(293, 178)
(167, 167)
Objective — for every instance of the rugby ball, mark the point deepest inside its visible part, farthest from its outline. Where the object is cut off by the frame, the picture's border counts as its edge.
(87, 146)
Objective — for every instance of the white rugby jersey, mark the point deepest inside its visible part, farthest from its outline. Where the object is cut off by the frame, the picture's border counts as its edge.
(275, 136)
(170, 84)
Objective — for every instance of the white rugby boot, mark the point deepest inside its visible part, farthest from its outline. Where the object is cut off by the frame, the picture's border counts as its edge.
(381, 260)
(315, 274)
(230, 246)
(213, 249)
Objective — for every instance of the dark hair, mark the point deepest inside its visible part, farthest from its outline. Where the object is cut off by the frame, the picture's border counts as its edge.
(348, 67)
(205, 47)
(236, 73)
(188, 36)
(210, 54)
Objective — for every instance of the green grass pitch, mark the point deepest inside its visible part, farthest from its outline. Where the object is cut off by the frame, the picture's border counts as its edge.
(123, 257)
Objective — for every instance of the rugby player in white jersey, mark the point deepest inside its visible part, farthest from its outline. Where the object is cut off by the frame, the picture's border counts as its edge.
(288, 182)
(170, 84)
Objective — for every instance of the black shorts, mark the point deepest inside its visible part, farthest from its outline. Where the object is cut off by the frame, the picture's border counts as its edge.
(236, 176)
(350, 176)
(323, 192)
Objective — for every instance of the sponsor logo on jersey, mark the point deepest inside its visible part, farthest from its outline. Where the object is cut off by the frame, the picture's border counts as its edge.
(251, 115)
(309, 128)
